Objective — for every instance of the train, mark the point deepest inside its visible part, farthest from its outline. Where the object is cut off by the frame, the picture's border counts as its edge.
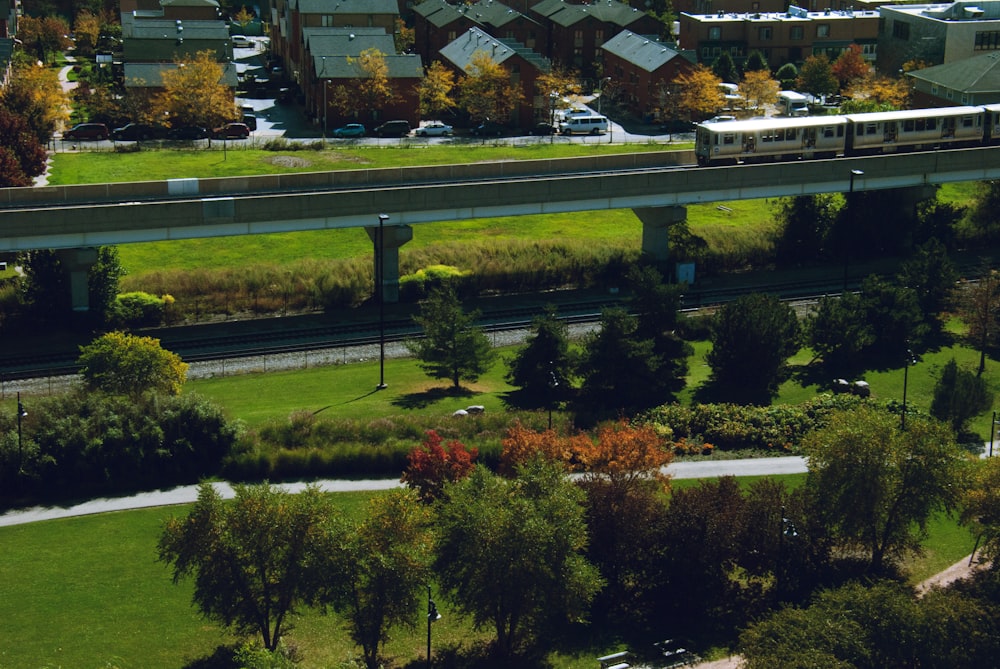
(777, 139)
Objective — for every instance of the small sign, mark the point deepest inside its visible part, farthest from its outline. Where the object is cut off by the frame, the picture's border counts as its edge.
(685, 272)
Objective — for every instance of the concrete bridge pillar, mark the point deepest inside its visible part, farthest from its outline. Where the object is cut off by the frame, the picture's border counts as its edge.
(656, 222)
(78, 263)
(393, 236)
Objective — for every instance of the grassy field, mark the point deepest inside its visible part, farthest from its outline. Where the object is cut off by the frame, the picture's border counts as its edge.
(107, 602)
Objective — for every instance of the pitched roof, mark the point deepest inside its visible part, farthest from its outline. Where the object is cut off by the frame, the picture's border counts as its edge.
(607, 11)
(150, 75)
(979, 74)
(493, 13)
(400, 66)
(346, 41)
(460, 51)
(172, 29)
(644, 51)
(345, 6)
(189, 3)
(439, 12)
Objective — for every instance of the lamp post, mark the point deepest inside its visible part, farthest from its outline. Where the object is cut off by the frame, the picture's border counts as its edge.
(906, 369)
(432, 615)
(553, 384)
(21, 413)
(993, 425)
(380, 278)
(787, 530)
(853, 218)
(322, 76)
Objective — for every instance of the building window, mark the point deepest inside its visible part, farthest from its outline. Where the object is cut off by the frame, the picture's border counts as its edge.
(795, 32)
(901, 30)
(934, 89)
(578, 38)
(451, 36)
(715, 33)
(326, 21)
(599, 37)
(764, 33)
(706, 53)
(869, 49)
(823, 30)
(754, 6)
(965, 101)
(987, 40)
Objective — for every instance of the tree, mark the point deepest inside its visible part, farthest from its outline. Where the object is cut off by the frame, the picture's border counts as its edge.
(932, 274)
(542, 368)
(434, 90)
(959, 395)
(44, 36)
(752, 338)
(243, 17)
(985, 209)
(787, 74)
(452, 346)
(880, 93)
(850, 66)
(385, 569)
(86, 30)
(370, 88)
(725, 69)
(979, 306)
(876, 486)
(24, 155)
(486, 90)
(894, 316)
(816, 76)
(804, 223)
(194, 93)
(103, 281)
(838, 333)
(44, 287)
(257, 560)
(510, 553)
(701, 96)
(756, 61)
(656, 306)
(434, 463)
(759, 89)
(35, 94)
(125, 364)
(522, 445)
(404, 38)
(981, 507)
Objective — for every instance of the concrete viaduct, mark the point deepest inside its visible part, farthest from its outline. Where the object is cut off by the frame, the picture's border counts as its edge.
(657, 185)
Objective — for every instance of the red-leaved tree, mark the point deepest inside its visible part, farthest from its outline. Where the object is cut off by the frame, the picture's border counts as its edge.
(434, 463)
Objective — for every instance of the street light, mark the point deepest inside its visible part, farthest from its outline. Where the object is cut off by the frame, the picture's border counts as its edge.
(553, 384)
(21, 413)
(851, 210)
(321, 76)
(910, 360)
(432, 616)
(993, 425)
(787, 530)
(380, 277)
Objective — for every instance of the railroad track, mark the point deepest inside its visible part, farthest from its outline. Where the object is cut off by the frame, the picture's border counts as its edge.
(261, 338)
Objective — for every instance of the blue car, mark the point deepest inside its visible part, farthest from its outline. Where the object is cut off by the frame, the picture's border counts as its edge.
(350, 130)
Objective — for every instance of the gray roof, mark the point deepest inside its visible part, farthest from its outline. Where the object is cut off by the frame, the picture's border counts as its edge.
(168, 29)
(346, 41)
(345, 6)
(643, 51)
(189, 3)
(607, 11)
(493, 13)
(979, 74)
(150, 75)
(439, 12)
(459, 52)
(400, 66)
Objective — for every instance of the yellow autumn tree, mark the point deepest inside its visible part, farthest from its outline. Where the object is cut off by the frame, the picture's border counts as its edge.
(486, 90)
(759, 89)
(370, 89)
(86, 30)
(700, 95)
(35, 93)
(194, 93)
(559, 83)
(435, 89)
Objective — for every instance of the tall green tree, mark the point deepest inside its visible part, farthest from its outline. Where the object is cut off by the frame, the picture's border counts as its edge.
(816, 76)
(452, 346)
(510, 553)
(893, 313)
(932, 274)
(124, 364)
(838, 334)
(656, 305)
(959, 396)
(256, 560)
(804, 222)
(756, 61)
(979, 305)
(752, 338)
(386, 566)
(543, 367)
(725, 69)
(876, 486)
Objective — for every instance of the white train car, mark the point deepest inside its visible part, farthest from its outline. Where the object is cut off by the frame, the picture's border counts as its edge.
(770, 139)
(992, 123)
(915, 130)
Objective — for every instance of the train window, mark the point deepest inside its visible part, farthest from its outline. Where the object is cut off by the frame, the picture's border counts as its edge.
(767, 136)
(871, 128)
(729, 138)
(828, 131)
(840, 131)
(931, 123)
(779, 135)
(908, 125)
(790, 133)
(966, 121)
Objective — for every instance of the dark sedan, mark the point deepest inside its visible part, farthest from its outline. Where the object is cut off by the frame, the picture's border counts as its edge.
(138, 132)
(232, 131)
(189, 132)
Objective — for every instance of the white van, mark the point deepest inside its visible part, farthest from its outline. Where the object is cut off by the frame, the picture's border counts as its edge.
(584, 125)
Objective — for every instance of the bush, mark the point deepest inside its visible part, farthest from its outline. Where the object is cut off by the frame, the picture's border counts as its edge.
(138, 309)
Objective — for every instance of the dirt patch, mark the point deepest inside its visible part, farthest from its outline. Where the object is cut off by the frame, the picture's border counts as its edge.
(287, 161)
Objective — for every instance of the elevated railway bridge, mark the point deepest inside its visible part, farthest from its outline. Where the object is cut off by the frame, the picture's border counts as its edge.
(658, 185)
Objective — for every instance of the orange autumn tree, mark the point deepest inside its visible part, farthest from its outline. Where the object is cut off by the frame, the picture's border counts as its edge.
(434, 463)
(522, 445)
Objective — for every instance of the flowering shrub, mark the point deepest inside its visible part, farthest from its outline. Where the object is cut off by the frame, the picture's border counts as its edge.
(434, 463)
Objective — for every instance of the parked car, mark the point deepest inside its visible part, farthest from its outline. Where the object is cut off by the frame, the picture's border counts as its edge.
(543, 129)
(250, 120)
(241, 42)
(138, 132)
(393, 129)
(87, 131)
(187, 132)
(434, 129)
(232, 131)
(350, 130)
(489, 129)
